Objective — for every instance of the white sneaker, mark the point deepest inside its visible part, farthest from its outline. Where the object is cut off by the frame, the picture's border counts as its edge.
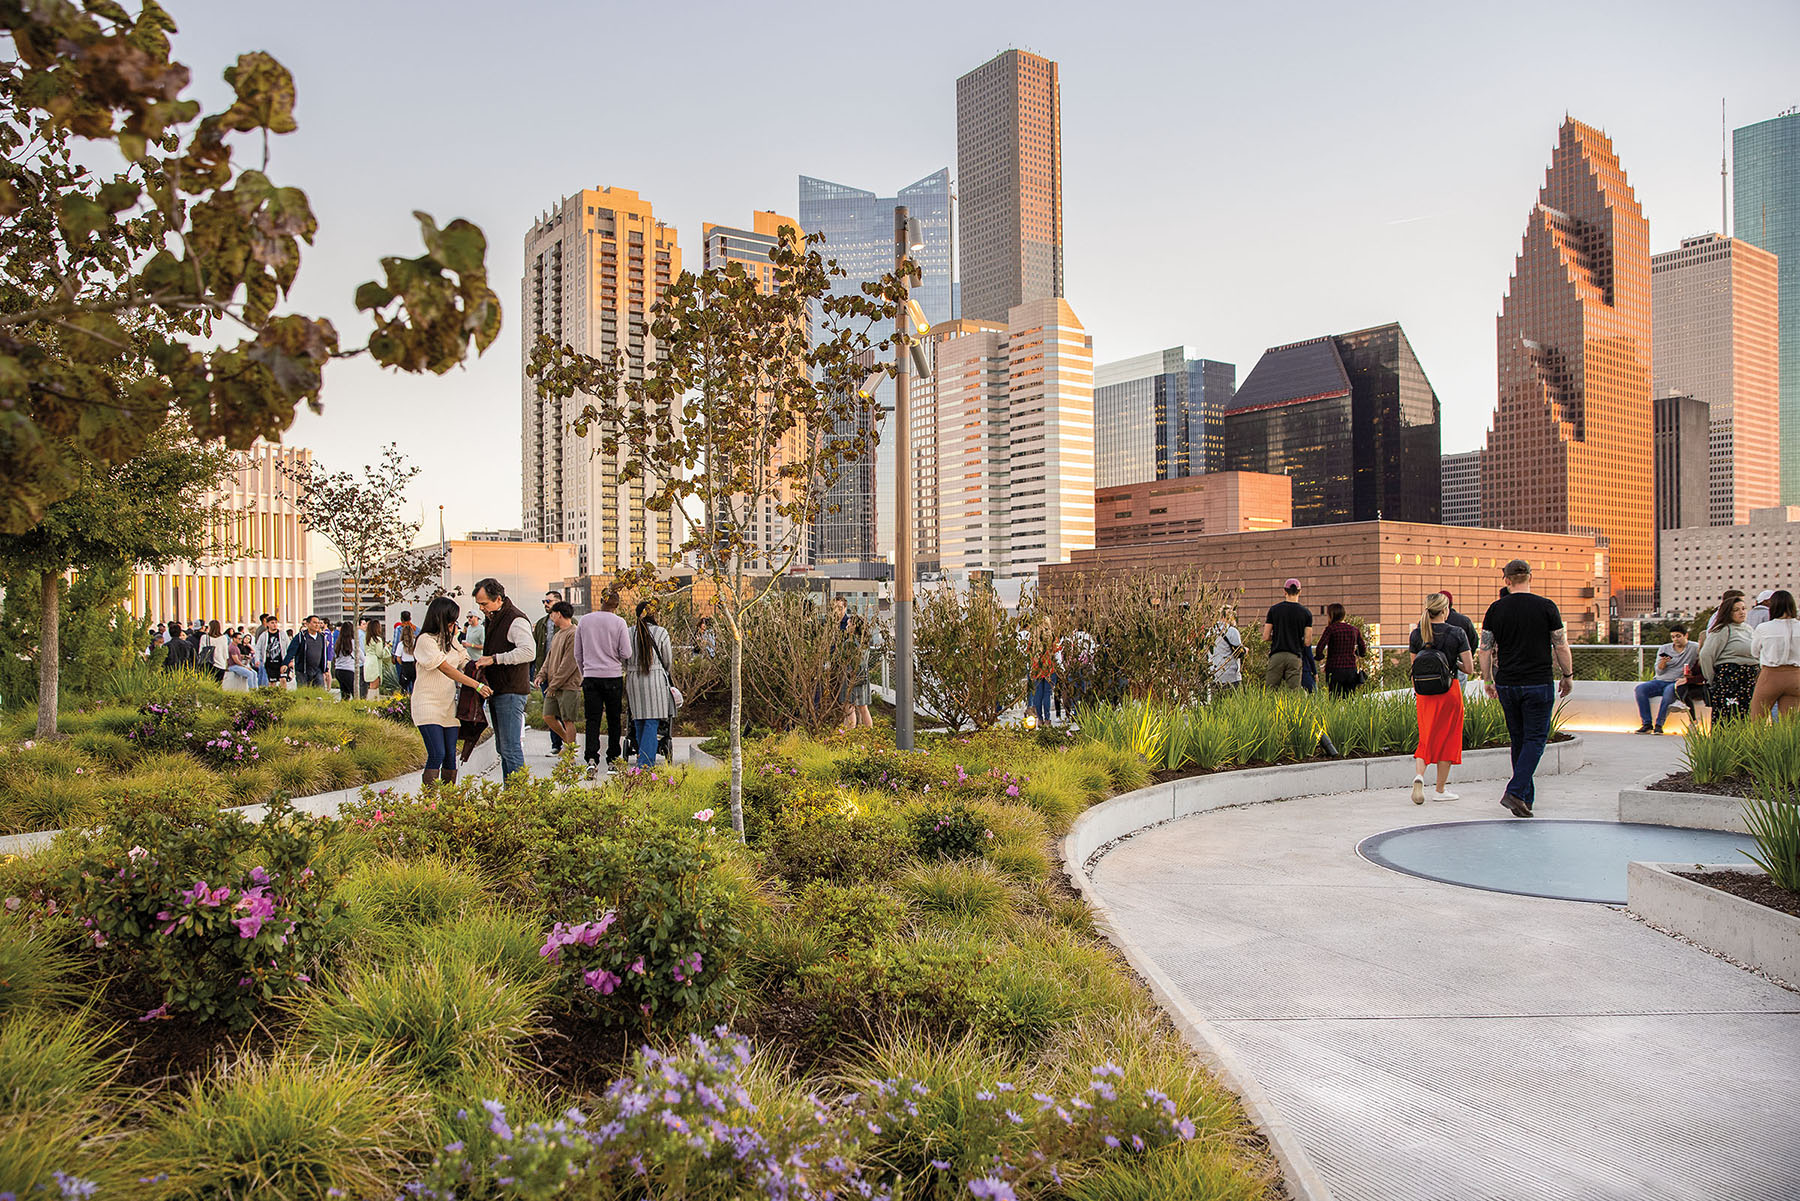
(1418, 790)
(1678, 707)
(1444, 796)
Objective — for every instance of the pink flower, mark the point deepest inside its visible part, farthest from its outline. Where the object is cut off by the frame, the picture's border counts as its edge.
(161, 1011)
(1012, 790)
(601, 981)
(705, 815)
(637, 966)
(199, 894)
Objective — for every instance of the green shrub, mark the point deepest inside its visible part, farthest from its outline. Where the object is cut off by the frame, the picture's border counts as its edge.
(845, 849)
(961, 890)
(896, 771)
(1181, 1172)
(849, 915)
(172, 784)
(938, 981)
(950, 832)
(411, 892)
(436, 1018)
(289, 1128)
(219, 916)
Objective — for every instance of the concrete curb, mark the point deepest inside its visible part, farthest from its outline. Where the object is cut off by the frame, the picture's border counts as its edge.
(485, 758)
(1689, 810)
(1742, 930)
(1125, 815)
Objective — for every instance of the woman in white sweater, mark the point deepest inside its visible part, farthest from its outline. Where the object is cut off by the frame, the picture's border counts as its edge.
(434, 689)
(1777, 645)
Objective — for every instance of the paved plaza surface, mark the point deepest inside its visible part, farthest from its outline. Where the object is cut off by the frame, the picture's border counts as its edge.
(1429, 1041)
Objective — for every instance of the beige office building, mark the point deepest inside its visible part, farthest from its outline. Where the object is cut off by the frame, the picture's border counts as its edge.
(1009, 180)
(1700, 562)
(1015, 441)
(268, 565)
(595, 267)
(1715, 334)
(721, 246)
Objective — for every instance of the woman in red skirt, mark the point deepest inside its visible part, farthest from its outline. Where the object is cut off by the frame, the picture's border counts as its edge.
(1439, 651)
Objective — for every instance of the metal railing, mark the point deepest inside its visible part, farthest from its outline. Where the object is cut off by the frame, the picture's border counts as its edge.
(1643, 654)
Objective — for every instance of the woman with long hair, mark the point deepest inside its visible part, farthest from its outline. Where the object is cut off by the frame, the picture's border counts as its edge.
(1341, 648)
(1777, 645)
(375, 655)
(1043, 669)
(214, 654)
(406, 666)
(1437, 695)
(647, 683)
(345, 662)
(1728, 659)
(434, 689)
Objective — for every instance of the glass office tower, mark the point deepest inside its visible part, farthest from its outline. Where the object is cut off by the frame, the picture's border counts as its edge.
(1159, 416)
(858, 525)
(1765, 158)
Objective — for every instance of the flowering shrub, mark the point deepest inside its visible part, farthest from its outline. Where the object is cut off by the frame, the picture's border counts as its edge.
(684, 1124)
(226, 749)
(849, 915)
(955, 832)
(895, 771)
(663, 953)
(173, 905)
(254, 714)
(845, 849)
(162, 727)
(397, 708)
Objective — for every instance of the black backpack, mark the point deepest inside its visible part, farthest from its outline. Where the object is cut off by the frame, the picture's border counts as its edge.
(1431, 674)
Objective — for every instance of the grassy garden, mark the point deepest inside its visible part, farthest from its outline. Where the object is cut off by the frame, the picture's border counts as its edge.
(551, 989)
(174, 742)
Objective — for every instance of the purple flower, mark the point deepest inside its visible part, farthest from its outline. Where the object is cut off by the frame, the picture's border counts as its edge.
(497, 1125)
(161, 1011)
(601, 981)
(992, 1188)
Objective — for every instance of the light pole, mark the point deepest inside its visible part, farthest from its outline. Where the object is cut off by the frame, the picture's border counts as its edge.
(907, 239)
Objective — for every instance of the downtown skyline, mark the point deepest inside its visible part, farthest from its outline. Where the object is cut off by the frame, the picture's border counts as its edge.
(1194, 208)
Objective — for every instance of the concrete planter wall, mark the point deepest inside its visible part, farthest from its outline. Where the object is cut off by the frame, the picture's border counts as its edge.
(1742, 930)
(1689, 810)
(1133, 811)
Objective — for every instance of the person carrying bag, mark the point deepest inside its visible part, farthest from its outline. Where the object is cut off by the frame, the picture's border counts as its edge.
(1438, 649)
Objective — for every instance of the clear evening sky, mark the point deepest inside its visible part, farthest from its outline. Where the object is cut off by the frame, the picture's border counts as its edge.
(1235, 177)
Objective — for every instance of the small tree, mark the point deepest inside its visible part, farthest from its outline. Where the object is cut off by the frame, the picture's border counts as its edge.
(151, 509)
(361, 520)
(129, 296)
(728, 419)
(971, 655)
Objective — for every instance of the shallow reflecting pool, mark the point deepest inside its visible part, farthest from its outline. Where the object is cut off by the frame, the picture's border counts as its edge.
(1537, 857)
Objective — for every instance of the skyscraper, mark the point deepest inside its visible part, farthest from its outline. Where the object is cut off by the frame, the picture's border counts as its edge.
(1765, 159)
(1015, 441)
(1351, 418)
(1682, 423)
(1569, 450)
(857, 530)
(1713, 321)
(722, 245)
(595, 266)
(1159, 416)
(1009, 176)
(1461, 488)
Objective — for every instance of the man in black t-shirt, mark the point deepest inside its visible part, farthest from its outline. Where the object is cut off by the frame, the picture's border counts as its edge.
(1522, 637)
(1285, 631)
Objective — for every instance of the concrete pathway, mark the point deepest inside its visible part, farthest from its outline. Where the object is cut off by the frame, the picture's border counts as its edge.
(1426, 1041)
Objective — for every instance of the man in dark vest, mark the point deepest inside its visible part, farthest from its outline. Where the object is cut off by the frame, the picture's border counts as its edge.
(510, 652)
(308, 654)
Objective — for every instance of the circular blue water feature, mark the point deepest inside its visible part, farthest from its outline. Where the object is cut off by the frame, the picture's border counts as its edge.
(1566, 860)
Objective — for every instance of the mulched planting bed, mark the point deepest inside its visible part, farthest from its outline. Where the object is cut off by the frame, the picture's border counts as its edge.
(1760, 889)
(1683, 781)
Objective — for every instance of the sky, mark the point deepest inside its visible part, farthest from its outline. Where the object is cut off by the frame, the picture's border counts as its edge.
(1235, 177)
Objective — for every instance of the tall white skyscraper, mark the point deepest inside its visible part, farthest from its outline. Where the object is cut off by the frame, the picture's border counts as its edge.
(1015, 441)
(1714, 336)
(595, 267)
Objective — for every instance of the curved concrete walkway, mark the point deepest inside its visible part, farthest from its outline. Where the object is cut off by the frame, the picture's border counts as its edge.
(1425, 1041)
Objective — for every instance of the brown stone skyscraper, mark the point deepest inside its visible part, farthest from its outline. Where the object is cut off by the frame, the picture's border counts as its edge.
(1570, 448)
(1009, 181)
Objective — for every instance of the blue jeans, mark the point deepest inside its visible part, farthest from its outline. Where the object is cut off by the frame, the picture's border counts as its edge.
(1528, 708)
(1040, 700)
(262, 676)
(440, 747)
(508, 709)
(245, 672)
(1650, 688)
(648, 731)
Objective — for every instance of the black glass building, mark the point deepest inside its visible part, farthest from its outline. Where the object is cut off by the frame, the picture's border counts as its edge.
(1351, 419)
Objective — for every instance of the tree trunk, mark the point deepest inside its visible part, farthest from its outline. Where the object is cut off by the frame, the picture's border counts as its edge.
(49, 652)
(737, 730)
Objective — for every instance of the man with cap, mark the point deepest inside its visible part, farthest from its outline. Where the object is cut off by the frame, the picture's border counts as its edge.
(1522, 639)
(1759, 612)
(1284, 629)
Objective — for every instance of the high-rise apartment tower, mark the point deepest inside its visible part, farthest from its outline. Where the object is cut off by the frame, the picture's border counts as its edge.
(1461, 488)
(1009, 180)
(595, 267)
(1765, 161)
(1714, 323)
(1569, 449)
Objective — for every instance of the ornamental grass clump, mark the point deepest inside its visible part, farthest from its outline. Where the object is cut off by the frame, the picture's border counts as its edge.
(1773, 819)
(55, 1107)
(218, 917)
